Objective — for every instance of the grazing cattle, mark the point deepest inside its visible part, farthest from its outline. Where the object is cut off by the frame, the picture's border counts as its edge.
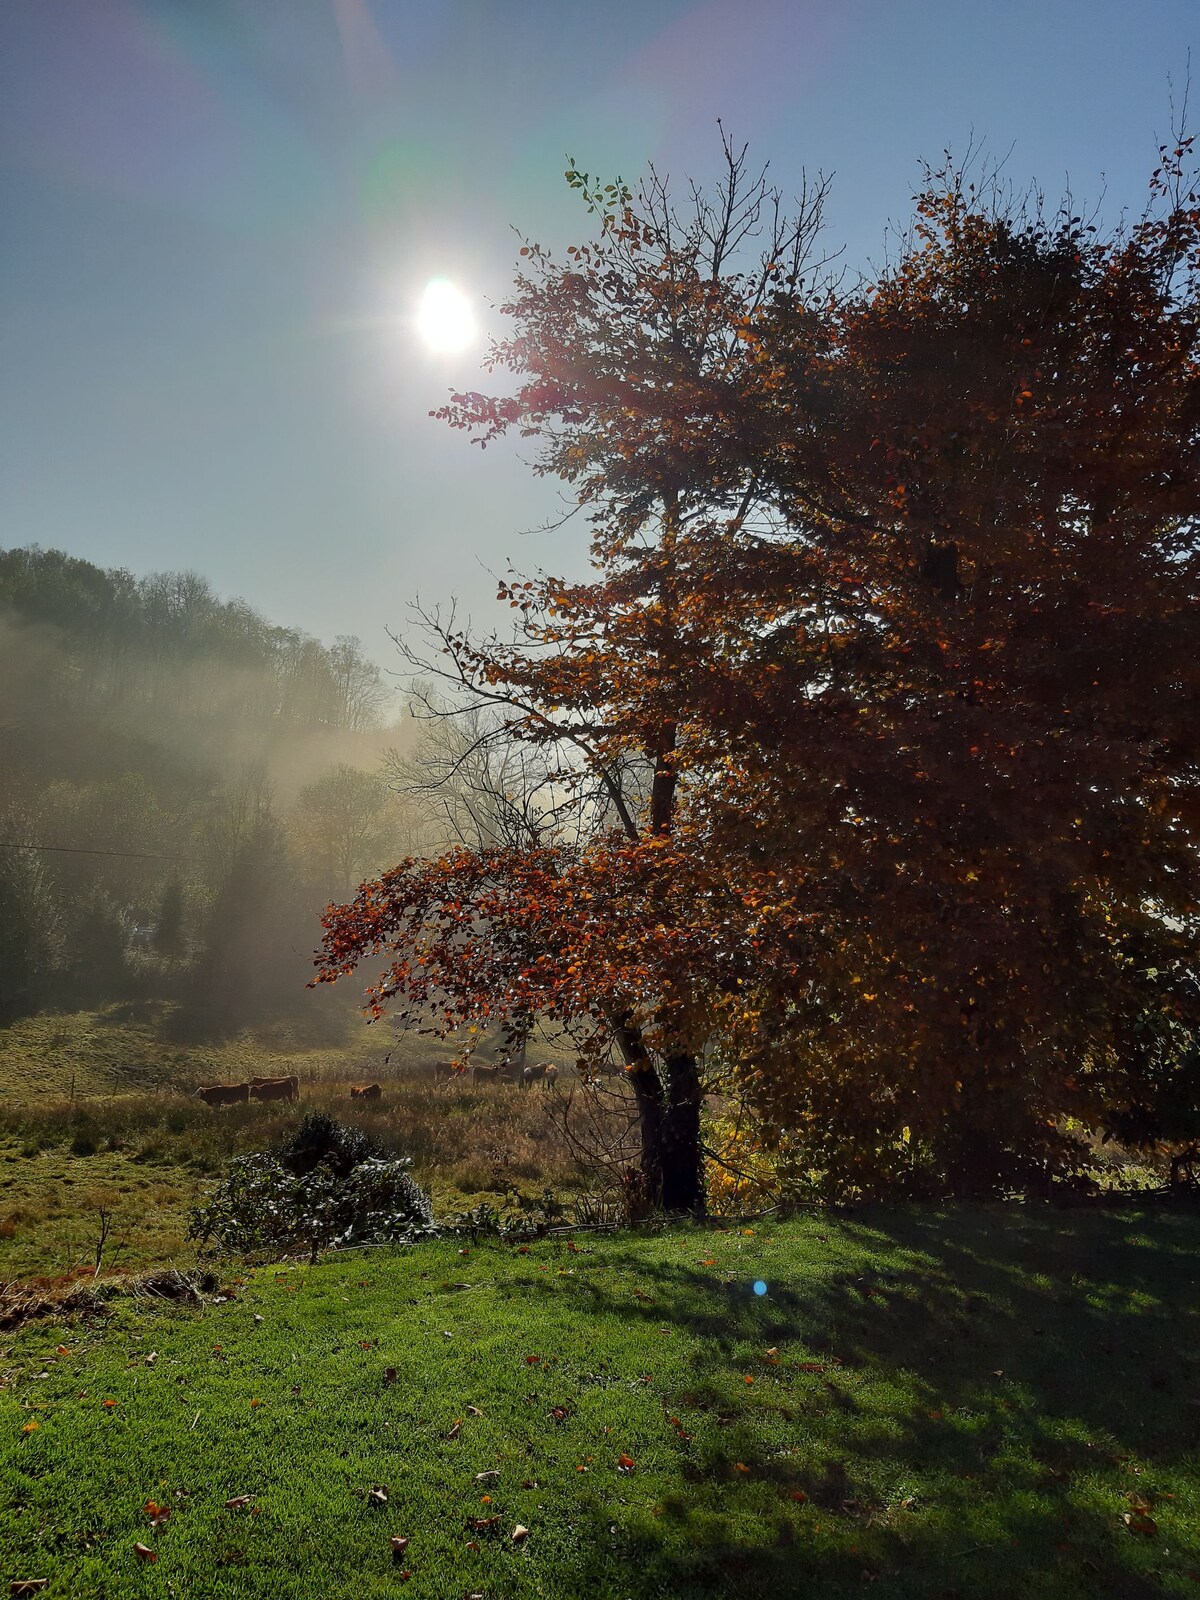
(366, 1091)
(224, 1094)
(491, 1075)
(275, 1088)
(545, 1074)
(443, 1071)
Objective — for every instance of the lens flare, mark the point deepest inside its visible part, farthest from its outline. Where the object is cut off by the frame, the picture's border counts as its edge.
(445, 320)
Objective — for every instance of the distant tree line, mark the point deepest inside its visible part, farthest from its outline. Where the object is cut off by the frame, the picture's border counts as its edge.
(183, 785)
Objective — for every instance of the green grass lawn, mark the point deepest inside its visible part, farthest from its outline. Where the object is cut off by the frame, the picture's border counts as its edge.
(925, 1403)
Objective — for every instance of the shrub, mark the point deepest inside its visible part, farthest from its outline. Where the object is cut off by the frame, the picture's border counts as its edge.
(320, 1138)
(328, 1186)
(516, 1218)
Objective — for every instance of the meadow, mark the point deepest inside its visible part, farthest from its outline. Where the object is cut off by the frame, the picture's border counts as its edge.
(919, 1402)
(989, 1402)
(100, 1128)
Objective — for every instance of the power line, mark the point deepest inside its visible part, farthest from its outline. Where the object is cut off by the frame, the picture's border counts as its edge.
(125, 855)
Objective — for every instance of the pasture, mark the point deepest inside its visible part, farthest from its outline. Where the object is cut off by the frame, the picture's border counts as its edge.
(99, 1125)
(922, 1404)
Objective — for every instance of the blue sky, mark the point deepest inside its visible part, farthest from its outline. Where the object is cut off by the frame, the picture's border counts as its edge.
(219, 217)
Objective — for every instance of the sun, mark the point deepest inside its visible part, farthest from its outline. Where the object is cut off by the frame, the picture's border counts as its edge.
(445, 320)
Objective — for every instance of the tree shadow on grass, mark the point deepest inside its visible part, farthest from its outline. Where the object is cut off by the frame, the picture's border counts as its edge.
(971, 1406)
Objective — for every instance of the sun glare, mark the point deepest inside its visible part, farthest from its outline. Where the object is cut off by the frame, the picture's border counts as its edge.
(445, 321)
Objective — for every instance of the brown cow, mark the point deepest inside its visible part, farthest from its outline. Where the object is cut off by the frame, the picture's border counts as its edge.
(497, 1074)
(275, 1088)
(545, 1074)
(366, 1091)
(224, 1094)
(444, 1070)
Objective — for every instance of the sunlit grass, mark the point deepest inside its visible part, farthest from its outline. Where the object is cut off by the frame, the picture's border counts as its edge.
(921, 1418)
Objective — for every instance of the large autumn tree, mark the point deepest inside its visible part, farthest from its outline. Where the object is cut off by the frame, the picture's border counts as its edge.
(875, 724)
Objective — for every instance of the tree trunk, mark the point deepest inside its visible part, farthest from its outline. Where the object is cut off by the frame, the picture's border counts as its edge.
(648, 1094)
(669, 1124)
(683, 1178)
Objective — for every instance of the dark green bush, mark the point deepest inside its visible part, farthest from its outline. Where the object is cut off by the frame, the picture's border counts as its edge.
(327, 1187)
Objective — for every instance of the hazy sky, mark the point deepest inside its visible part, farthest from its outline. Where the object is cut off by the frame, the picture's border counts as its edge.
(218, 216)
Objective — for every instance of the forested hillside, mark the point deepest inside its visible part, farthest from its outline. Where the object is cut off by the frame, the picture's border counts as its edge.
(183, 786)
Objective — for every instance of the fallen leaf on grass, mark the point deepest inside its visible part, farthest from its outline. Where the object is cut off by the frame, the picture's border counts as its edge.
(144, 1553)
(238, 1501)
(484, 1524)
(157, 1514)
(740, 1466)
(152, 1358)
(399, 1545)
(529, 1483)
(798, 1495)
(709, 1261)
(559, 1413)
(624, 1463)
(454, 1431)
(474, 1411)
(61, 1350)
(747, 1379)
(520, 1533)
(108, 1404)
(532, 1361)
(31, 1427)
(389, 1375)
(487, 1477)
(1138, 1522)
(377, 1494)
(25, 1586)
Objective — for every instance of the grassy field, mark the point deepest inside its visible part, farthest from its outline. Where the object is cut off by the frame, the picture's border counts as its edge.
(993, 1403)
(97, 1120)
(125, 1049)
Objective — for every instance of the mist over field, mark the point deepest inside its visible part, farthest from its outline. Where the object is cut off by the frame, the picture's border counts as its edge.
(183, 786)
